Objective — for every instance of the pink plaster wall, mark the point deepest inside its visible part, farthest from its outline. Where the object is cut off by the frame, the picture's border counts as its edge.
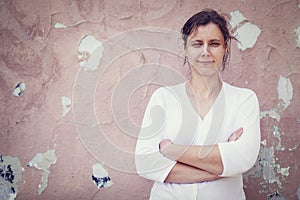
(33, 51)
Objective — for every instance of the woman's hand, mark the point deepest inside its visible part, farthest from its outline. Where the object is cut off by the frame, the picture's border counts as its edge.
(236, 135)
(163, 144)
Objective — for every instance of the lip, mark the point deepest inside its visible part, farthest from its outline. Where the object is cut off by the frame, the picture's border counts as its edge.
(205, 62)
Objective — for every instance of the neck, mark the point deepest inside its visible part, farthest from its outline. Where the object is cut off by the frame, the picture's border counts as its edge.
(204, 86)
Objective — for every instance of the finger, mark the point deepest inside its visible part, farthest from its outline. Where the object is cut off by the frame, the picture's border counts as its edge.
(236, 135)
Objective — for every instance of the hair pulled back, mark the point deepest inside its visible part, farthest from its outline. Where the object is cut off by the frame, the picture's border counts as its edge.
(203, 18)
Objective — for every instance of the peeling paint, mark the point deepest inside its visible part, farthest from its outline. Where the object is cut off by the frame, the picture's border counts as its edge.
(277, 135)
(43, 161)
(297, 33)
(66, 105)
(90, 52)
(283, 171)
(276, 196)
(19, 89)
(59, 25)
(100, 176)
(246, 32)
(10, 177)
(285, 91)
(285, 95)
(264, 142)
(298, 192)
(268, 164)
(271, 113)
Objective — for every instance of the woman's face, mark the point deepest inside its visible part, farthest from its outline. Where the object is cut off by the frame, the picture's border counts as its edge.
(205, 49)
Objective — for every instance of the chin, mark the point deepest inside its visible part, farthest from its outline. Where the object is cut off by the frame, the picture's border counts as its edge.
(207, 71)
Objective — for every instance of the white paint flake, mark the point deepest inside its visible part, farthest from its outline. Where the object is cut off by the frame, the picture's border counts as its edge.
(264, 142)
(268, 164)
(66, 105)
(284, 171)
(90, 52)
(271, 113)
(100, 176)
(285, 95)
(246, 32)
(285, 91)
(236, 18)
(43, 161)
(10, 177)
(19, 89)
(59, 25)
(277, 134)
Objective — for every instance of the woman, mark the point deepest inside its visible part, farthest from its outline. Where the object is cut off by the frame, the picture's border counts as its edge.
(198, 137)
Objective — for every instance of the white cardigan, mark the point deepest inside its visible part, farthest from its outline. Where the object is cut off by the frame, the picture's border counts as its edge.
(170, 114)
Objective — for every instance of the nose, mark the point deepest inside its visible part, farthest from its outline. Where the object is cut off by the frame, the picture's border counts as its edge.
(205, 51)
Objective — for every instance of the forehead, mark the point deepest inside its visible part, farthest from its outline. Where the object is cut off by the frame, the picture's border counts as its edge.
(207, 32)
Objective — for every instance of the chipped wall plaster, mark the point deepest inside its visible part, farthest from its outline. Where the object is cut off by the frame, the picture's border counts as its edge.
(66, 105)
(39, 46)
(100, 176)
(43, 161)
(285, 94)
(244, 31)
(19, 89)
(10, 177)
(285, 91)
(89, 53)
(59, 25)
(276, 196)
(267, 160)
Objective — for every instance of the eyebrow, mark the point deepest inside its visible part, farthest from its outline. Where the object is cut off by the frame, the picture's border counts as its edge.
(211, 40)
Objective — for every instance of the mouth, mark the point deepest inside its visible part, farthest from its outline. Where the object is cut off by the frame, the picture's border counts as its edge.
(205, 62)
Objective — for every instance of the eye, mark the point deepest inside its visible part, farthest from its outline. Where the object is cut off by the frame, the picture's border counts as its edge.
(215, 44)
(196, 45)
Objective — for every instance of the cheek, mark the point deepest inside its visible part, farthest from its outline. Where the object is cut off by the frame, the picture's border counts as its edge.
(218, 53)
(191, 53)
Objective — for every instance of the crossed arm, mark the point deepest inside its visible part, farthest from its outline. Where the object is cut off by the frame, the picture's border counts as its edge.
(194, 163)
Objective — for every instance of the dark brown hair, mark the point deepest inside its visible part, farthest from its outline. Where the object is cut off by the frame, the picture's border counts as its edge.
(203, 18)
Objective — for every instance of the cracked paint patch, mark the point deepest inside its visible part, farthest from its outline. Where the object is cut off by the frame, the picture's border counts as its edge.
(59, 25)
(10, 177)
(268, 164)
(43, 161)
(246, 32)
(66, 105)
(90, 52)
(285, 95)
(268, 167)
(19, 89)
(297, 33)
(100, 176)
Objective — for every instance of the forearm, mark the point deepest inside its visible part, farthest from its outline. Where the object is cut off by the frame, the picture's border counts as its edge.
(182, 173)
(207, 158)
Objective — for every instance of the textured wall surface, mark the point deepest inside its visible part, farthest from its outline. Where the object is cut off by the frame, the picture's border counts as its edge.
(76, 75)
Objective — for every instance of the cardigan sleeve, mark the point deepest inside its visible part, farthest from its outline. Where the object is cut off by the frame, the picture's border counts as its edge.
(149, 162)
(239, 156)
